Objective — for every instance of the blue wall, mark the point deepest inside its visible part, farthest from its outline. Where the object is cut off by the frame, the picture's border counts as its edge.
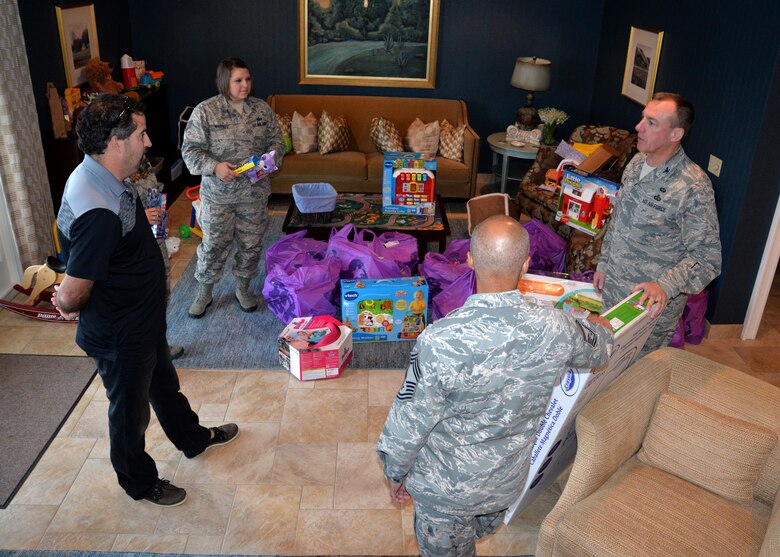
(722, 55)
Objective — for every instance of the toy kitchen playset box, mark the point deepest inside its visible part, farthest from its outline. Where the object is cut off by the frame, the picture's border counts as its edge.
(586, 200)
(556, 438)
(384, 310)
(315, 347)
(408, 183)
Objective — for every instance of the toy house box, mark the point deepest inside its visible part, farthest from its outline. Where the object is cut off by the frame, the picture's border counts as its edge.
(315, 347)
(384, 310)
(556, 439)
(408, 184)
(585, 201)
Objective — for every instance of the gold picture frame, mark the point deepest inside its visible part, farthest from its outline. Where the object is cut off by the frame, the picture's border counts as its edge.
(392, 44)
(78, 39)
(644, 51)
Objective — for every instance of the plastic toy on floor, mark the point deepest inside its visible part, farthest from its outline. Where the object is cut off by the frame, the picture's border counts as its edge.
(37, 283)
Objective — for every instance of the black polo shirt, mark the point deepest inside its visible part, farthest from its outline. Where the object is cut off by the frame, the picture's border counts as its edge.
(106, 238)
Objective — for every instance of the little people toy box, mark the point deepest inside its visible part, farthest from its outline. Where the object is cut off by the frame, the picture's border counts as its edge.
(408, 184)
(571, 296)
(586, 201)
(315, 347)
(385, 310)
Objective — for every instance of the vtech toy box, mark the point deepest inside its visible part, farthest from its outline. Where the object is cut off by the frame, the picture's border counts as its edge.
(385, 310)
(408, 183)
(315, 347)
(571, 296)
(586, 201)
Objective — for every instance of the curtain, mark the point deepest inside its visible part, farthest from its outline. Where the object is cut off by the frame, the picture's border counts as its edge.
(22, 164)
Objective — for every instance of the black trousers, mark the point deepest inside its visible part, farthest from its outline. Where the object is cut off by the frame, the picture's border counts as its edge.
(132, 382)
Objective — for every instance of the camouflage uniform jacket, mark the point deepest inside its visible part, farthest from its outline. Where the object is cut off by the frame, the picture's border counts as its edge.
(460, 431)
(217, 133)
(664, 229)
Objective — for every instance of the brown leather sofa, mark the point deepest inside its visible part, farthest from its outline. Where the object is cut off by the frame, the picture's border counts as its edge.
(360, 168)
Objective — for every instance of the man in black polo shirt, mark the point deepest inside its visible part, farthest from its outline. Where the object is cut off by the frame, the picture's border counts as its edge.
(115, 284)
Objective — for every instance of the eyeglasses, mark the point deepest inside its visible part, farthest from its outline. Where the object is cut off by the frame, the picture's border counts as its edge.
(128, 106)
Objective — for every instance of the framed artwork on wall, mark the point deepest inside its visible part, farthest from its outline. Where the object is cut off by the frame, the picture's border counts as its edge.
(375, 43)
(78, 39)
(644, 49)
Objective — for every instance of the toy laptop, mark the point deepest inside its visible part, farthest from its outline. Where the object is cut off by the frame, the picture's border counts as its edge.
(385, 310)
(408, 184)
(315, 347)
(586, 201)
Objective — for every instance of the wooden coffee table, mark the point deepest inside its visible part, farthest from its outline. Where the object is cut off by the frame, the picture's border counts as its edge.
(364, 210)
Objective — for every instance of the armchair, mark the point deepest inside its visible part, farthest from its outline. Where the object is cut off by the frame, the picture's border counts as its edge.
(615, 503)
(582, 250)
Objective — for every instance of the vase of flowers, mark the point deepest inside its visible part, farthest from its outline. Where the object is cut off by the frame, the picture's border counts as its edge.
(551, 118)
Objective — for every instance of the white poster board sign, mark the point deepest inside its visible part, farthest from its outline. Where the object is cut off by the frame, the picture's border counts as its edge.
(556, 441)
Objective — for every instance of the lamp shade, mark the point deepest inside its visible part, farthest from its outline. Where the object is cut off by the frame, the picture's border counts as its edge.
(531, 74)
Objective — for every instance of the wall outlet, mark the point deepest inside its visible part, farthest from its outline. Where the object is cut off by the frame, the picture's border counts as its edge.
(715, 165)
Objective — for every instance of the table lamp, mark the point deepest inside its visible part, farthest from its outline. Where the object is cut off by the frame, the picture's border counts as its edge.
(531, 74)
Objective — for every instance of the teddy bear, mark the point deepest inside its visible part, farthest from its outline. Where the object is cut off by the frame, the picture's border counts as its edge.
(98, 74)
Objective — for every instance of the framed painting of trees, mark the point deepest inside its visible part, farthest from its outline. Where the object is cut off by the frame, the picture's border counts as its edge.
(376, 43)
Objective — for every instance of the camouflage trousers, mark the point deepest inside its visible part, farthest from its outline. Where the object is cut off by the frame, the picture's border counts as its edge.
(664, 327)
(224, 225)
(444, 535)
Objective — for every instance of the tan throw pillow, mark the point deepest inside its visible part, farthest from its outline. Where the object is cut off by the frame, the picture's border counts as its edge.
(333, 135)
(423, 138)
(385, 135)
(304, 133)
(722, 454)
(451, 141)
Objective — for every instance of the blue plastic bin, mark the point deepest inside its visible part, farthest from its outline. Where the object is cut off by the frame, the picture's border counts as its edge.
(315, 202)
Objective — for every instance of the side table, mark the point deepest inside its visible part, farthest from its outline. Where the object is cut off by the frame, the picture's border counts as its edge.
(500, 146)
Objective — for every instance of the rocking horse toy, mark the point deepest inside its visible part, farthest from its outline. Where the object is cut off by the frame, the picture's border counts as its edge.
(38, 282)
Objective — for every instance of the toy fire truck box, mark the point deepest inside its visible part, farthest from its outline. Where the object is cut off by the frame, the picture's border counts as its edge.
(572, 296)
(408, 183)
(385, 310)
(586, 200)
(556, 440)
(315, 347)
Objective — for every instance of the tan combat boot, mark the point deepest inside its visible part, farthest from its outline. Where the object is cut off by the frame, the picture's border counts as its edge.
(245, 298)
(203, 301)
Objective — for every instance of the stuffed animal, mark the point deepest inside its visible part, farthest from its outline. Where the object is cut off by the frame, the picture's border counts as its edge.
(98, 74)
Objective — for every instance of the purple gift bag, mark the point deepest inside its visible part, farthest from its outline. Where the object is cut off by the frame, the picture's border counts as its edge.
(454, 296)
(401, 248)
(293, 251)
(442, 269)
(356, 249)
(306, 290)
(548, 250)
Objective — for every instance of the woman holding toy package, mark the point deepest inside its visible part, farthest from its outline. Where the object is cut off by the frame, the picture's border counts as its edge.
(223, 133)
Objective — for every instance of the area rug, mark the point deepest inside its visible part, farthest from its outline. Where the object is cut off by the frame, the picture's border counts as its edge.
(37, 394)
(228, 338)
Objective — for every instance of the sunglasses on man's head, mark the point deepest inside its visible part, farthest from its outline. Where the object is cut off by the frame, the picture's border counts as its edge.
(128, 106)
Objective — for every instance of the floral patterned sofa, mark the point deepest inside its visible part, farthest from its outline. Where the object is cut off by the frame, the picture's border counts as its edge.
(582, 249)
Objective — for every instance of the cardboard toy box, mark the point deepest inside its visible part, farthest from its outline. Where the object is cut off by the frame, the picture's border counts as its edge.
(556, 440)
(571, 296)
(385, 310)
(315, 347)
(408, 184)
(585, 201)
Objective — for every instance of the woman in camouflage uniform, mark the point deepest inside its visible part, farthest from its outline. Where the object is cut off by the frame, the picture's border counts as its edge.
(222, 134)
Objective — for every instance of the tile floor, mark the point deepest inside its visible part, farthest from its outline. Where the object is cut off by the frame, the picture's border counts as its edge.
(301, 479)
